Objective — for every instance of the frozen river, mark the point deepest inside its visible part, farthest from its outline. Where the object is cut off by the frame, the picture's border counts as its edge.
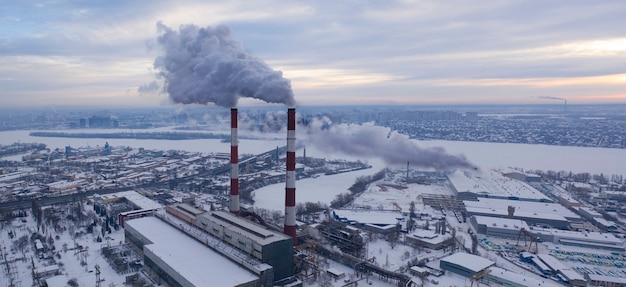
(484, 155)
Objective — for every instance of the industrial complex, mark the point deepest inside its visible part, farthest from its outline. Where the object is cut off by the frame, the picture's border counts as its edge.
(410, 227)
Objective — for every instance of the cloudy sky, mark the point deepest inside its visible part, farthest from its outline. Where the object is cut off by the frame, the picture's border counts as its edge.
(334, 52)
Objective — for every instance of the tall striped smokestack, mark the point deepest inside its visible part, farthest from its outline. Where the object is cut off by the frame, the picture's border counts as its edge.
(290, 187)
(234, 164)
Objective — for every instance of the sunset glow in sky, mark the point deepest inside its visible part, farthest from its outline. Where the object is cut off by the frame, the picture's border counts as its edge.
(76, 53)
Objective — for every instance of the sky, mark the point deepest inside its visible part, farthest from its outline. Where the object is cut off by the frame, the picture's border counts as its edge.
(396, 52)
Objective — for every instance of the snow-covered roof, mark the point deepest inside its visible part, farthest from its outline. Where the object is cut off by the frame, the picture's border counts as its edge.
(528, 209)
(502, 223)
(197, 263)
(604, 278)
(248, 229)
(521, 279)
(581, 236)
(429, 236)
(555, 264)
(493, 183)
(471, 262)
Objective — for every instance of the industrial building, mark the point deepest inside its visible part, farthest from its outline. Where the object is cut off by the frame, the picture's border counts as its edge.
(469, 186)
(429, 239)
(605, 281)
(570, 276)
(465, 264)
(533, 213)
(268, 246)
(588, 239)
(476, 267)
(498, 227)
(508, 278)
(126, 205)
(179, 260)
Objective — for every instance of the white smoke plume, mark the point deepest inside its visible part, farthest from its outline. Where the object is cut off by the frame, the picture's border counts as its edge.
(206, 65)
(369, 140)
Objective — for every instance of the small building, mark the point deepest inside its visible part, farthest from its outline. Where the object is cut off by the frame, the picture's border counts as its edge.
(335, 273)
(429, 239)
(39, 246)
(419, 271)
(568, 201)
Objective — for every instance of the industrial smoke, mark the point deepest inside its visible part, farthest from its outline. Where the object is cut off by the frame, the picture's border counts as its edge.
(555, 98)
(369, 140)
(206, 65)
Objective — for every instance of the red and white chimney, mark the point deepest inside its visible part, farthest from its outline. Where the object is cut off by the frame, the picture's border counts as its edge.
(234, 164)
(290, 187)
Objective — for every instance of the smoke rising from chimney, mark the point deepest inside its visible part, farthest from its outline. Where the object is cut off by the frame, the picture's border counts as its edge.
(369, 140)
(206, 65)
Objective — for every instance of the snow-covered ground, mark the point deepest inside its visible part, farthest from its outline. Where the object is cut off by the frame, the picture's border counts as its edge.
(69, 259)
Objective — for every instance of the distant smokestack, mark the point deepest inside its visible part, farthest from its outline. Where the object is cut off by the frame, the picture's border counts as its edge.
(511, 211)
(234, 163)
(290, 187)
(407, 171)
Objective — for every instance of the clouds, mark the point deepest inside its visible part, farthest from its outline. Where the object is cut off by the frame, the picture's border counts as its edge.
(333, 51)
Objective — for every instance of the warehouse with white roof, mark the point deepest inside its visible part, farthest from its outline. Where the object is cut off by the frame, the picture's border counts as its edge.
(181, 260)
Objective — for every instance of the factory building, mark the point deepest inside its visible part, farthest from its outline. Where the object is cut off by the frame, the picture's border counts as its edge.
(126, 205)
(270, 247)
(429, 239)
(178, 260)
(570, 276)
(533, 213)
(498, 227)
(507, 278)
(468, 186)
(605, 281)
(587, 239)
(465, 264)
(469, 266)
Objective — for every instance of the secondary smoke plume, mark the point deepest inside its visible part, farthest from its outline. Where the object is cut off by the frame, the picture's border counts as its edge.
(556, 98)
(551, 98)
(369, 140)
(206, 65)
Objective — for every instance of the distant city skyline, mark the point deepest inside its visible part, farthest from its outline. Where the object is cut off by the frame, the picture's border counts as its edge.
(334, 52)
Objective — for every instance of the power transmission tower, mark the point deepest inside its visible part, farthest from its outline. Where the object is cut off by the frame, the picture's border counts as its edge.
(98, 280)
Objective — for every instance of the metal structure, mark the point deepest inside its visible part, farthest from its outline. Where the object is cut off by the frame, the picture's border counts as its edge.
(348, 240)
(478, 276)
(234, 163)
(98, 279)
(532, 239)
(307, 264)
(290, 186)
